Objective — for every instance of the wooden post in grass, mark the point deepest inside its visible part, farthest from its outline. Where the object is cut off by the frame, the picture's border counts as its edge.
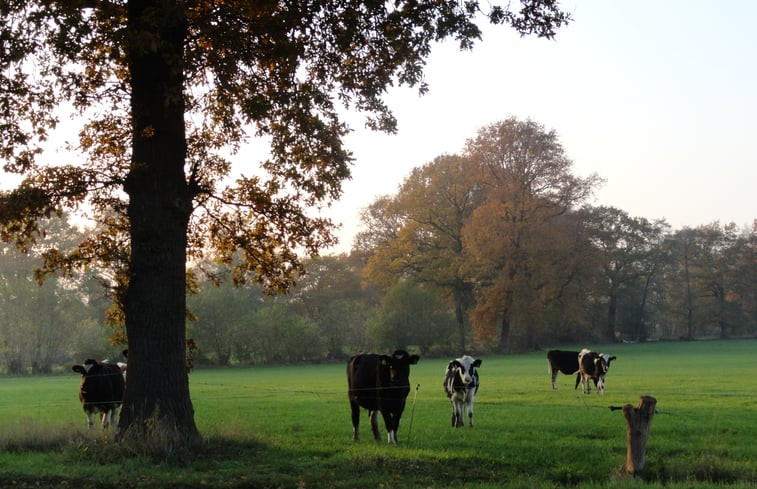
(638, 418)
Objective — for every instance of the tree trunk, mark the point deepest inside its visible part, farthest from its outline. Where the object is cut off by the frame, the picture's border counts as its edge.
(641, 329)
(612, 310)
(157, 409)
(689, 301)
(638, 420)
(458, 292)
(722, 313)
(504, 343)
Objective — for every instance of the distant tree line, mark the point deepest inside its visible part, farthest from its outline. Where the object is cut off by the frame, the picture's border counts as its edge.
(492, 250)
(502, 233)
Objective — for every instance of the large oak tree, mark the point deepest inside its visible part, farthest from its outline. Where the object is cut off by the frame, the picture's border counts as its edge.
(165, 89)
(511, 238)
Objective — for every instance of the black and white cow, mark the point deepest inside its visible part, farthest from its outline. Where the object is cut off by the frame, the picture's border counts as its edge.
(593, 367)
(562, 361)
(461, 385)
(379, 383)
(101, 390)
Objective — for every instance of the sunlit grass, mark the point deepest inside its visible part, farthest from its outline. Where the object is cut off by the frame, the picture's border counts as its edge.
(290, 426)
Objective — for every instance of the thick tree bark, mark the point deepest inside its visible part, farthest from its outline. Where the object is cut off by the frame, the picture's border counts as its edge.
(157, 406)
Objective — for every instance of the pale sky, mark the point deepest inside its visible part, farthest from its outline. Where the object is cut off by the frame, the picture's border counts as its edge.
(658, 97)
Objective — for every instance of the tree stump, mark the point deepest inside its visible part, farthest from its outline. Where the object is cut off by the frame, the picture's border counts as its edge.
(638, 419)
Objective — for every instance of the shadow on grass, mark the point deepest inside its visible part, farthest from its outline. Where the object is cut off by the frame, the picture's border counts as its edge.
(77, 458)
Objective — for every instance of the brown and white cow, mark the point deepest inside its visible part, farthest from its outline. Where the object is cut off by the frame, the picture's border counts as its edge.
(461, 385)
(379, 383)
(101, 390)
(593, 366)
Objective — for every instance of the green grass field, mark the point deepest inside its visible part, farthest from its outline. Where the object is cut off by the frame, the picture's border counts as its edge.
(290, 427)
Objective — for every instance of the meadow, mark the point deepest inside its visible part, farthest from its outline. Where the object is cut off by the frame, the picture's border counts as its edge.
(289, 427)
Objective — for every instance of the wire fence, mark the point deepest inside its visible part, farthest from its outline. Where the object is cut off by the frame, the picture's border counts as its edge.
(204, 394)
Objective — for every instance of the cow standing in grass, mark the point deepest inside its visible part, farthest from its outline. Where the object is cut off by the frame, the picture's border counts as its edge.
(461, 385)
(101, 390)
(562, 361)
(593, 367)
(379, 383)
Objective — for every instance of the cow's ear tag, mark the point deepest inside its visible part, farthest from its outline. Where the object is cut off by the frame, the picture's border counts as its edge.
(383, 362)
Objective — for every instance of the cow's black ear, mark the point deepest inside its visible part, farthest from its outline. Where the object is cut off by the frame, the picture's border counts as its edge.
(477, 363)
(79, 369)
(414, 359)
(125, 353)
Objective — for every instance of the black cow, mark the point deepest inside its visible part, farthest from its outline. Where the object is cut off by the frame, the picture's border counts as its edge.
(461, 385)
(101, 390)
(562, 361)
(379, 383)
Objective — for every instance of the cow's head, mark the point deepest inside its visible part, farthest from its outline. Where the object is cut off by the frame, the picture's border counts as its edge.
(465, 368)
(398, 364)
(607, 358)
(89, 373)
(600, 365)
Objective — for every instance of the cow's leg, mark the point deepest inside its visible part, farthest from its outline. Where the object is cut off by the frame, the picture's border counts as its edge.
(374, 425)
(470, 412)
(554, 379)
(578, 379)
(454, 413)
(109, 417)
(90, 419)
(355, 420)
(459, 408)
(392, 423)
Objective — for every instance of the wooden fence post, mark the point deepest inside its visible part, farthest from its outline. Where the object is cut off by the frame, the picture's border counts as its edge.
(638, 419)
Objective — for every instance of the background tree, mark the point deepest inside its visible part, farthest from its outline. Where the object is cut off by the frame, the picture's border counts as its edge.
(412, 316)
(39, 319)
(163, 86)
(382, 221)
(682, 299)
(746, 281)
(626, 247)
(717, 260)
(528, 184)
(431, 208)
(220, 313)
(331, 294)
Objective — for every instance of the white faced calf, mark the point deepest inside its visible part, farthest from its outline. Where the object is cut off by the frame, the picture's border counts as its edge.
(461, 385)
